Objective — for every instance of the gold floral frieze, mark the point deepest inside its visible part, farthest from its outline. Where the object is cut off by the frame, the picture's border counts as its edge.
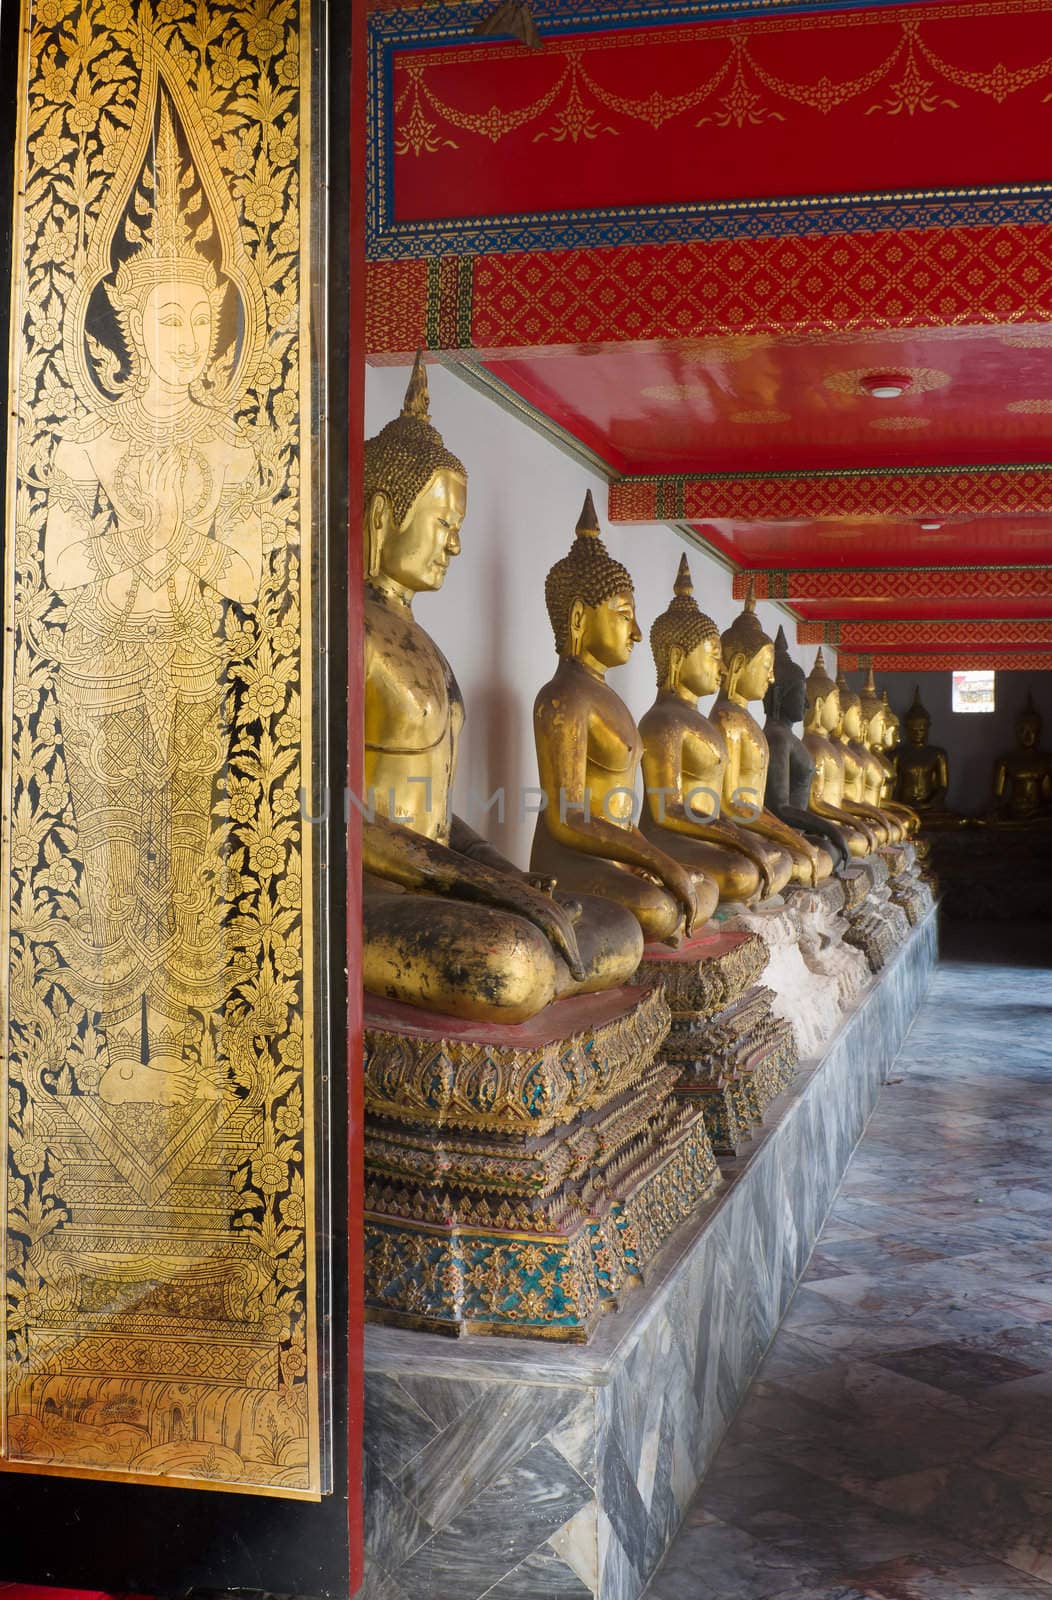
(157, 930)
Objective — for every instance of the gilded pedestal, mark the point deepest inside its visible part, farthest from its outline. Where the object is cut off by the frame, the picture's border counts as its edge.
(732, 1053)
(519, 1178)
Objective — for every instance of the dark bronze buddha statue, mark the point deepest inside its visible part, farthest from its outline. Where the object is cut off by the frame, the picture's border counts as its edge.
(792, 766)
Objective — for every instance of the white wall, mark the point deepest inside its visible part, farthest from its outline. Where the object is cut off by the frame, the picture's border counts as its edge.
(524, 498)
(972, 740)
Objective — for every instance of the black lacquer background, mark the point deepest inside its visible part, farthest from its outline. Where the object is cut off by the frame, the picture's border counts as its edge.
(170, 1541)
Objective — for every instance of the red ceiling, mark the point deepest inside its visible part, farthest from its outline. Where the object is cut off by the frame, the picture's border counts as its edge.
(689, 360)
(976, 395)
(997, 541)
(797, 105)
(908, 606)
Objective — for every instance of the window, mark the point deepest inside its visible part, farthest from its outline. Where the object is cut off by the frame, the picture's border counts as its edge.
(973, 691)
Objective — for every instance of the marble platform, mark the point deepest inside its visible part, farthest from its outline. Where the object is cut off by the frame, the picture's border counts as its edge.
(519, 1471)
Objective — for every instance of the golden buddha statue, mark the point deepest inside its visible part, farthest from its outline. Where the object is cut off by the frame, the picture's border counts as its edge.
(589, 750)
(748, 671)
(879, 774)
(821, 720)
(892, 740)
(924, 772)
(1023, 777)
(857, 758)
(449, 924)
(685, 755)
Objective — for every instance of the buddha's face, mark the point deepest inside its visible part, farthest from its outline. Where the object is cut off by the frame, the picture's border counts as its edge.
(851, 720)
(1028, 732)
(892, 735)
(174, 331)
(417, 555)
(701, 669)
(874, 731)
(757, 675)
(917, 731)
(608, 632)
(829, 714)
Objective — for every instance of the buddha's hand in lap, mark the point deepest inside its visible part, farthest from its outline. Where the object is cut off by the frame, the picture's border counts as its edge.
(554, 919)
(680, 884)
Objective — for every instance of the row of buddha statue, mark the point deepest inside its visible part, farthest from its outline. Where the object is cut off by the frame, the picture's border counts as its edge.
(499, 998)
(733, 812)
(1022, 778)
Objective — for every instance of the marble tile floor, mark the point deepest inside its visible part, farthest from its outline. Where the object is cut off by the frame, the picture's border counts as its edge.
(897, 1443)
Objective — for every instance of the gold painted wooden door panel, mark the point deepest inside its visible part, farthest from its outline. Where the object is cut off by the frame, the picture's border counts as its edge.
(158, 937)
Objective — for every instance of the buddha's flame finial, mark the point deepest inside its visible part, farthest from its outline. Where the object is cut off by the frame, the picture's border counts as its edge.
(1030, 709)
(684, 584)
(588, 522)
(871, 682)
(781, 643)
(884, 696)
(750, 595)
(417, 402)
(820, 660)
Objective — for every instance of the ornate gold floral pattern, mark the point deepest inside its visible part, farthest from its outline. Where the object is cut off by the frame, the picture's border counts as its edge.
(912, 79)
(158, 1243)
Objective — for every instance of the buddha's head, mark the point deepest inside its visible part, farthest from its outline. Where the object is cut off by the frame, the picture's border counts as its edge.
(850, 709)
(686, 643)
(823, 698)
(415, 497)
(787, 696)
(918, 722)
(892, 723)
(166, 294)
(748, 655)
(873, 721)
(591, 601)
(1028, 725)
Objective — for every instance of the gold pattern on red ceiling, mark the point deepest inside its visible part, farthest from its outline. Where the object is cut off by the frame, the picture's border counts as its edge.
(811, 105)
(876, 585)
(741, 90)
(836, 496)
(1004, 633)
(906, 661)
(526, 302)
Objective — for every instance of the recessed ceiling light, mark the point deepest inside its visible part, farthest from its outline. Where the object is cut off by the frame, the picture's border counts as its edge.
(931, 527)
(885, 385)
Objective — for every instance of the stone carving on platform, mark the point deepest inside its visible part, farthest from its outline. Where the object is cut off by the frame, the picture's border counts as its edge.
(519, 1179)
(158, 934)
(734, 1055)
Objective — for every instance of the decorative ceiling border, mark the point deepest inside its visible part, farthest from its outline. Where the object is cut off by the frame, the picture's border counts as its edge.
(860, 494)
(924, 634)
(993, 661)
(889, 584)
(441, 26)
(498, 306)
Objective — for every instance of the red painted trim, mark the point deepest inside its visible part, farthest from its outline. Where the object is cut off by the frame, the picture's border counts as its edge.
(1005, 633)
(895, 583)
(709, 289)
(355, 748)
(836, 495)
(993, 661)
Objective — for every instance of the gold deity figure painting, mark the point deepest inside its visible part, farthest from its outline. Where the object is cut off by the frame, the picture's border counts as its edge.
(139, 677)
(158, 921)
